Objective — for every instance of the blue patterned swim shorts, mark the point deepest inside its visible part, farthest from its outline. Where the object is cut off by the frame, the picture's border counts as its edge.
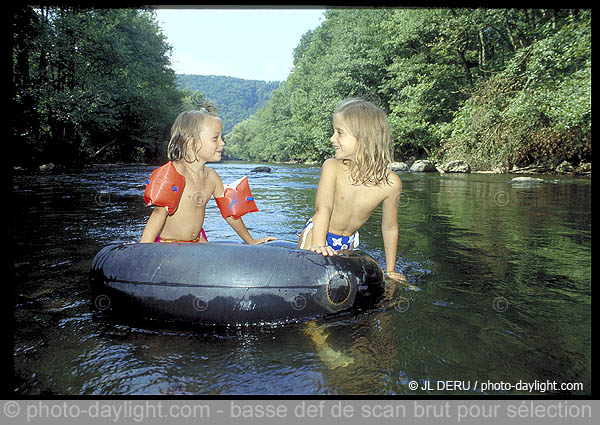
(335, 241)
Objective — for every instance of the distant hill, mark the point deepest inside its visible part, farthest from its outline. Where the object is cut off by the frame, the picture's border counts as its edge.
(236, 98)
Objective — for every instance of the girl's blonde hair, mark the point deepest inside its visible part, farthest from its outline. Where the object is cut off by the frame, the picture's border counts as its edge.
(187, 127)
(369, 124)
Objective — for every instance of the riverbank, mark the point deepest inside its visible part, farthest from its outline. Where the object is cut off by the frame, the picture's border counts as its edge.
(565, 168)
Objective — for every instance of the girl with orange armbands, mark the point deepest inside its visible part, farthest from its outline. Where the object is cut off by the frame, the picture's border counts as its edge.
(183, 186)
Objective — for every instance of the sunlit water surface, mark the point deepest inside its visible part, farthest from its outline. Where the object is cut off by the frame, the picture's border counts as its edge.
(500, 275)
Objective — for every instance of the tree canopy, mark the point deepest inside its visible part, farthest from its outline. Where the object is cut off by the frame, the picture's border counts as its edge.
(90, 84)
(497, 87)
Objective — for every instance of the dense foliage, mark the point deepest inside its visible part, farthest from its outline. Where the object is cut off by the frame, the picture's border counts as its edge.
(236, 98)
(90, 84)
(496, 87)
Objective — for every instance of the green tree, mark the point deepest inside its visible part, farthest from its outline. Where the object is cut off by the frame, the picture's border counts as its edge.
(537, 110)
(90, 81)
(492, 86)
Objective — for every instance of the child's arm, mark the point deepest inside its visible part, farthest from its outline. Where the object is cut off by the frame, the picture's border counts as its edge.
(242, 231)
(389, 227)
(155, 223)
(238, 225)
(323, 208)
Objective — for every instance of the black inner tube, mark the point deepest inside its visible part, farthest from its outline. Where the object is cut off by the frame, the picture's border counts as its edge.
(338, 289)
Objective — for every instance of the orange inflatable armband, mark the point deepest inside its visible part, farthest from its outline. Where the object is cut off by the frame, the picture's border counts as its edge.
(237, 199)
(164, 188)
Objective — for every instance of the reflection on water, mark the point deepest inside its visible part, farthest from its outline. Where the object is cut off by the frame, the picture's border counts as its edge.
(500, 290)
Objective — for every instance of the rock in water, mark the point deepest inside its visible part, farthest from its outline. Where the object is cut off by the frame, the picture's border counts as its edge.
(526, 181)
(398, 166)
(456, 167)
(422, 166)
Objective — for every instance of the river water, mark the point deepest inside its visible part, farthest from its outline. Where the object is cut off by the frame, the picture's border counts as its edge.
(500, 293)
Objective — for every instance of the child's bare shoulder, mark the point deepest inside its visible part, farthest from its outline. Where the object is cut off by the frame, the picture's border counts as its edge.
(330, 163)
(395, 184)
(212, 174)
(214, 181)
(332, 166)
(394, 179)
